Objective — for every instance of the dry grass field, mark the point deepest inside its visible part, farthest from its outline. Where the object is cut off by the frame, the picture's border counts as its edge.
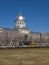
(30, 56)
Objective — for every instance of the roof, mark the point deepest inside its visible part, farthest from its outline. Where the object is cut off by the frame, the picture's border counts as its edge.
(24, 28)
(20, 17)
(34, 32)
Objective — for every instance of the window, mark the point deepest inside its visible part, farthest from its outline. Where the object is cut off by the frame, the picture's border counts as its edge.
(20, 22)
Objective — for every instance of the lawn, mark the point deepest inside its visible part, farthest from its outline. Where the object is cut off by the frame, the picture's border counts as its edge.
(30, 56)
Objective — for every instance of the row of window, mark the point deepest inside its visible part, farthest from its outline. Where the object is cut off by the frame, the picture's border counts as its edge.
(20, 22)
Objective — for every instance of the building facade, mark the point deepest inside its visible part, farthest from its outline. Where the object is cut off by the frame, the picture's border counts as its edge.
(22, 36)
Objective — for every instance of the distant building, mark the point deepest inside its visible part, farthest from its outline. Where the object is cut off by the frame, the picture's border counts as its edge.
(20, 35)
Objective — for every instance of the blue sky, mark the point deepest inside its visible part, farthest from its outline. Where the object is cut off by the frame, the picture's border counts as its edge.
(36, 13)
